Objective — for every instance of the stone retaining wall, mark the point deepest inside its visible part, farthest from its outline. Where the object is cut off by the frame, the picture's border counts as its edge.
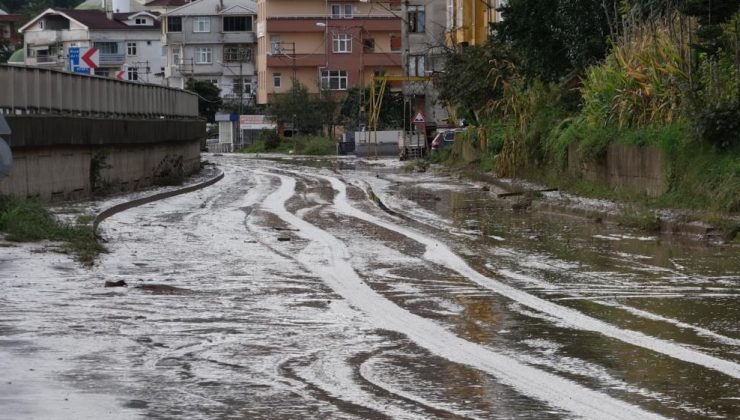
(635, 168)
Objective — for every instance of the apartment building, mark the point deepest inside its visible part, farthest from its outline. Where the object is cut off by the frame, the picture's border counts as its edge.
(213, 40)
(424, 38)
(469, 21)
(331, 44)
(127, 41)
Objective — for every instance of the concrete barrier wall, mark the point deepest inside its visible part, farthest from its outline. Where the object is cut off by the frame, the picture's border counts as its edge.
(68, 173)
(45, 91)
(636, 168)
(68, 158)
(53, 130)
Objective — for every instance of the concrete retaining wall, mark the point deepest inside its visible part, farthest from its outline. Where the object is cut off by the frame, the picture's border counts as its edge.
(636, 168)
(68, 158)
(66, 172)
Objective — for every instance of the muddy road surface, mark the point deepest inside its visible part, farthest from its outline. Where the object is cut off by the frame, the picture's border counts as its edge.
(284, 291)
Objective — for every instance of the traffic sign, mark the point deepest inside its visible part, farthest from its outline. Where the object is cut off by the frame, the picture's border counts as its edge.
(75, 65)
(82, 59)
(121, 74)
(419, 118)
(91, 58)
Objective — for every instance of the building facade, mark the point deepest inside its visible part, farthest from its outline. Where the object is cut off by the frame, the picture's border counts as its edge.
(424, 39)
(469, 21)
(213, 40)
(128, 42)
(331, 45)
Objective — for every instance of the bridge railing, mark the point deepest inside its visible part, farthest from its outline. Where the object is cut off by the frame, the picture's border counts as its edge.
(30, 90)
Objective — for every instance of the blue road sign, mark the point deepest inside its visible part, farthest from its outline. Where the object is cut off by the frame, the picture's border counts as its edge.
(75, 64)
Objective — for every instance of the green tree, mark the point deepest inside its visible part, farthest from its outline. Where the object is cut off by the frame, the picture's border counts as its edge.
(297, 106)
(710, 15)
(470, 78)
(391, 110)
(553, 38)
(209, 97)
(31, 8)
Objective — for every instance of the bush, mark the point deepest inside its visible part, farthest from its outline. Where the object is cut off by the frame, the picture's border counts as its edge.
(639, 218)
(258, 146)
(315, 146)
(270, 138)
(719, 124)
(29, 221)
(640, 84)
(440, 156)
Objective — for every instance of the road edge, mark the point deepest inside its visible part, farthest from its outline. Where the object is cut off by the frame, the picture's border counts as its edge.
(118, 208)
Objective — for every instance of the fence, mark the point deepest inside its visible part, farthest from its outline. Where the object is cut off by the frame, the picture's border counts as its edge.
(29, 90)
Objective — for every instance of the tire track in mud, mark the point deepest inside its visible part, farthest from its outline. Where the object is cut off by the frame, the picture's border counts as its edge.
(439, 253)
(328, 258)
(409, 215)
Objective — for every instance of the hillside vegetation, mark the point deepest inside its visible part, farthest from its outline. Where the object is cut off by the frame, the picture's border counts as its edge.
(662, 73)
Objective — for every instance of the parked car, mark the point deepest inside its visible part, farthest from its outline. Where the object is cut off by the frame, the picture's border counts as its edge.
(444, 138)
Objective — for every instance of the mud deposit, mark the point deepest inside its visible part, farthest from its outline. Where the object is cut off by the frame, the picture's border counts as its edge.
(283, 291)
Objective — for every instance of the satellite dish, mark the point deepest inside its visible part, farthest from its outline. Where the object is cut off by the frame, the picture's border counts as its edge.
(6, 159)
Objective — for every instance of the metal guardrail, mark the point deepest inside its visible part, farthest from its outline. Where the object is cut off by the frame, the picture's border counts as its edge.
(30, 90)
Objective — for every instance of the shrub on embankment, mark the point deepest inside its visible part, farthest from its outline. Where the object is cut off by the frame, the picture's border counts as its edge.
(270, 142)
(662, 85)
(27, 220)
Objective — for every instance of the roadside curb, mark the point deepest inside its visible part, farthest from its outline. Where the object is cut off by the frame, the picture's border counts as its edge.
(118, 208)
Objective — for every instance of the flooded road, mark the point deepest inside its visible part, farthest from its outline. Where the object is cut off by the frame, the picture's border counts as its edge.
(293, 295)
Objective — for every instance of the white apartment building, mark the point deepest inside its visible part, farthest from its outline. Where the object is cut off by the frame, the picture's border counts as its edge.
(128, 41)
(213, 40)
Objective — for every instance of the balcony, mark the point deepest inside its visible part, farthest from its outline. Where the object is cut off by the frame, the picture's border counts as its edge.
(107, 60)
(309, 24)
(302, 60)
(47, 59)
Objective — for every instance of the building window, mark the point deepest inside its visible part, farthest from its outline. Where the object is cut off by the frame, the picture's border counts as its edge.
(201, 24)
(106, 47)
(342, 43)
(242, 87)
(275, 44)
(130, 48)
(174, 24)
(368, 45)
(132, 73)
(277, 80)
(237, 23)
(237, 53)
(334, 79)
(417, 19)
(341, 11)
(203, 55)
(140, 21)
(177, 56)
(417, 65)
(395, 43)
